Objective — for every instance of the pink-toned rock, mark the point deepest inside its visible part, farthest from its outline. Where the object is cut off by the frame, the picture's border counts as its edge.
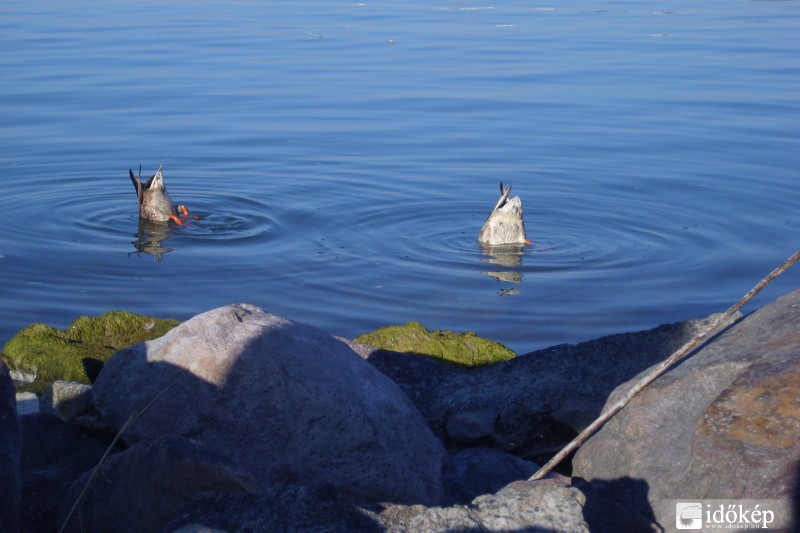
(724, 424)
(287, 401)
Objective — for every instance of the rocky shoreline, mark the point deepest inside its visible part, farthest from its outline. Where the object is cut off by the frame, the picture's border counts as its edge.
(251, 422)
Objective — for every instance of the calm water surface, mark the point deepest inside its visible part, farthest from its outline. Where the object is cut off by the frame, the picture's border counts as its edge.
(344, 155)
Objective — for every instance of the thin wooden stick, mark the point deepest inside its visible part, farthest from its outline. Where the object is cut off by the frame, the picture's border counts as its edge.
(128, 423)
(663, 367)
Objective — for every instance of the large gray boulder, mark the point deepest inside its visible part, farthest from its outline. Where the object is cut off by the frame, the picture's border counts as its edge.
(289, 402)
(724, 424)
(10, 451)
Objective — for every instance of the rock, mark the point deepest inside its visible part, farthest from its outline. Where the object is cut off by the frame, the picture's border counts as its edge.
(288, 401)
(54, 455)
(19, 377)
(279, 508)
(72, 402)
(144, 487)
(471, 426)
(725, 422)
(67, 400)
(541, 399)
(47, 354)
(463, 348)
(198, 528)
(27, 403)
(10, 452)
(476, 471)
(544, 505)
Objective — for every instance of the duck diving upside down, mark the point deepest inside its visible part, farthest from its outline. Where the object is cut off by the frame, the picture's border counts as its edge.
(155, 203)
(505, 225)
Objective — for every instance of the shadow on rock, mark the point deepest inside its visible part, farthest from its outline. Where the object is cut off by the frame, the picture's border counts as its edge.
(477, 471)
(10, 455)
(278, 508)
(617, 505)
(144, 487)
(54, 455)
(92, 367)
(796, 501)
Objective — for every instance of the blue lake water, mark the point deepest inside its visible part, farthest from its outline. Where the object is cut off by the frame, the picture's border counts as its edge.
(344, 155)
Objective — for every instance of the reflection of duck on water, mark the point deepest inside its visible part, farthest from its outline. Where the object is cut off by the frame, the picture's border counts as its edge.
(154, 201)
(504, 224)
(150, 238)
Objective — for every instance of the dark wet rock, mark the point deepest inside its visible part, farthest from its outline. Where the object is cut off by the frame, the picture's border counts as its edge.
(471, 426)
(47, 354)
(10, 452)
(54, 455)
(725, 422)
(289, 402)
(462, 348)
(278, 508)
(146, 486)
(476, 471)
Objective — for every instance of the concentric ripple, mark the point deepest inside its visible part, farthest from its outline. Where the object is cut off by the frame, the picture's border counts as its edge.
(79, 211)
(442, 236)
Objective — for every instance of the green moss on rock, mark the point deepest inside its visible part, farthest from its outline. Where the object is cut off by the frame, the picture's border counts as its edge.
(462, 348)
(79, 352)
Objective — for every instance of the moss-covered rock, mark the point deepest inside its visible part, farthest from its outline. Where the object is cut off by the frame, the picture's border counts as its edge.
(79, 352)
(462, 348)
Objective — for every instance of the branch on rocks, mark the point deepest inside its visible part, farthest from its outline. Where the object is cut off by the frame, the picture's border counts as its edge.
(686, 349)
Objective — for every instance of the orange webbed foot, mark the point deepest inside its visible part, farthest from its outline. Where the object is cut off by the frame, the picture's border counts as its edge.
(175, 219)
